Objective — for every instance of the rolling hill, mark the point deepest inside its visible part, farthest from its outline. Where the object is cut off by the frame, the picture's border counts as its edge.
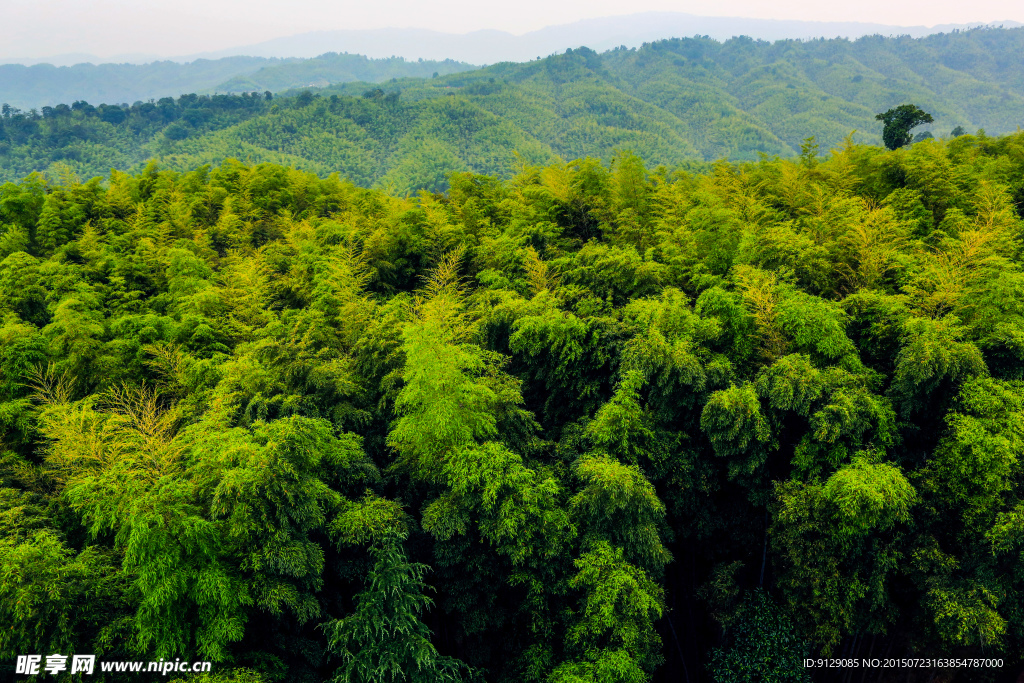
(671, 102)
(37, 85)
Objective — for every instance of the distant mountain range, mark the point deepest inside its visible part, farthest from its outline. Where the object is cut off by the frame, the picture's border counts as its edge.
(35, 86)
(492, 46)
(672, 102)
(330, 57)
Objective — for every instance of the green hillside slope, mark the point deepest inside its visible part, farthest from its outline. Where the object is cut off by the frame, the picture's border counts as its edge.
(671, 102)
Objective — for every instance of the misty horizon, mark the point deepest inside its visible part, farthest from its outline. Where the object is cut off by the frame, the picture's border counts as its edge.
(487, 46)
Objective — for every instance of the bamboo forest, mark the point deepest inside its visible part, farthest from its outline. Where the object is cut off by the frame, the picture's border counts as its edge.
(592, 422)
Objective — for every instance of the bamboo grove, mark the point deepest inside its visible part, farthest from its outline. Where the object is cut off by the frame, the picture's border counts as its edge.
(588, 424)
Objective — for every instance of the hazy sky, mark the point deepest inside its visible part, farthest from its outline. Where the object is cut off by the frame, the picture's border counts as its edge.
(33, 28)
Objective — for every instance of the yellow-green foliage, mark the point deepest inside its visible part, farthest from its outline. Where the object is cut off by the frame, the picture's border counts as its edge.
(541, 429)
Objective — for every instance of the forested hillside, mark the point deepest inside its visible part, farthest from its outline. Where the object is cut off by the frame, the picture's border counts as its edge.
(591, 423)
(671, 102)
(40, 85)
(28, 87)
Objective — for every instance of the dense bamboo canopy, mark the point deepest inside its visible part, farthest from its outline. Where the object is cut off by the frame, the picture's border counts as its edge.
(593, 423)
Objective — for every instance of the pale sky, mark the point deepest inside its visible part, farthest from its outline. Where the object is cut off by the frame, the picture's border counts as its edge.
(34, 28)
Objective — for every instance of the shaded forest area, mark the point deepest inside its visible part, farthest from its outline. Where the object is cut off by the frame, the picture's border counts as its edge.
(673, 102)
(591, 423)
